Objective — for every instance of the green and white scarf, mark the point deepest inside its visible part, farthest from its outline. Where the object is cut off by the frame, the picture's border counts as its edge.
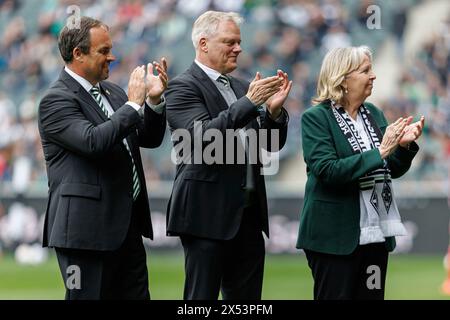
(379, 212)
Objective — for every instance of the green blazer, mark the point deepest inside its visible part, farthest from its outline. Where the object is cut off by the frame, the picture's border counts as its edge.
(329, 221)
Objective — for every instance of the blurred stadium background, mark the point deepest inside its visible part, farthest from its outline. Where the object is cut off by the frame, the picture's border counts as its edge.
(411, 61)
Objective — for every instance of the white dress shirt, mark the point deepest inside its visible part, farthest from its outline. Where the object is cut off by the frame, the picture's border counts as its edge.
(159, 108)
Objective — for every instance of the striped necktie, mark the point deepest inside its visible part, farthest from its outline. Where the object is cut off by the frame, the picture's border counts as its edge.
(223, 80)
(95, 91)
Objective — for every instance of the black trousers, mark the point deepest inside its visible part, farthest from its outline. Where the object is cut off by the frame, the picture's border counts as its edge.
(106, 275)
(358, 276)
(235, 267)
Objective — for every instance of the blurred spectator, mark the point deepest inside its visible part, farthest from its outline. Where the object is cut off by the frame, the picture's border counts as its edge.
(19, 225)
(362, 13)
(399, 19)
(424, 90)
(30, 254)
(193, 9)
(293, 34)
(336, 37)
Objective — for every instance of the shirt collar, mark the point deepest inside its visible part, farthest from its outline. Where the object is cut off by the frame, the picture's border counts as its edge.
(82, 81)
(212, 74)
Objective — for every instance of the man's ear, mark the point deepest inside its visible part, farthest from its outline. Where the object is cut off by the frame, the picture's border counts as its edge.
(77, 55)
(203, 45)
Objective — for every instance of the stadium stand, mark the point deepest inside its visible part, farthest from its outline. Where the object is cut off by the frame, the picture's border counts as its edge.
(292, 34)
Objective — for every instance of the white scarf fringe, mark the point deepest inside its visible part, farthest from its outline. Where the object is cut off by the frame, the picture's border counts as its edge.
(378, 220)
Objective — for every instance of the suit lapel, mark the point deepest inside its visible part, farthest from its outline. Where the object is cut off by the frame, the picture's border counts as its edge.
(93, 111)
(90, 106)
(238, 89)
(342, 146)
(114, 100)
(219, 102)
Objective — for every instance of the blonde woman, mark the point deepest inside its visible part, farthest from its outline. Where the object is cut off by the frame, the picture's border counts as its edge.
(350, 219)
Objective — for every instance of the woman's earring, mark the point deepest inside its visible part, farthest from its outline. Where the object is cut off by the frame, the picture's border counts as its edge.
(346, 91)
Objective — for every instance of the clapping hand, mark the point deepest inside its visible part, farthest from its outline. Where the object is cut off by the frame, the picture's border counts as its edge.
(156, 84)
(391, 138)
(412, 131)
(261, 89)
(276, 101)
(136, 86)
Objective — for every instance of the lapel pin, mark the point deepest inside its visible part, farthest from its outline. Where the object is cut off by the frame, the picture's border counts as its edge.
(107, 92)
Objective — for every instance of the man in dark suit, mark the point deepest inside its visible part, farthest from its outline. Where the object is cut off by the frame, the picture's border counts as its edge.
(219, 209)
(91, 132)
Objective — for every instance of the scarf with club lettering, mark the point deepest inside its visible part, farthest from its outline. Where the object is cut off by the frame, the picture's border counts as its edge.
(379, 212)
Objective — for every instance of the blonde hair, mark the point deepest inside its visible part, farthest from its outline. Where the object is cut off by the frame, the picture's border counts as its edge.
(336, 65)
(206, 25)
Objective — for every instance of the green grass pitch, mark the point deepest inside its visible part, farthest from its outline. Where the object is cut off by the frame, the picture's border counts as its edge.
(286, 277)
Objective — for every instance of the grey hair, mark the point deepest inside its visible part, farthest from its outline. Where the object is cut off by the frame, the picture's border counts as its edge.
(206, 25)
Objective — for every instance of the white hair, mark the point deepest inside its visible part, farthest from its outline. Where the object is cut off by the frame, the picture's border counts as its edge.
(336, 65)
(206, 25)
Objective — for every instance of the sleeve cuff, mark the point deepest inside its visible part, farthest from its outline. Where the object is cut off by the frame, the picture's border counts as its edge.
(282, 119)
(407, 153)
(134, 105)
(159, 108)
